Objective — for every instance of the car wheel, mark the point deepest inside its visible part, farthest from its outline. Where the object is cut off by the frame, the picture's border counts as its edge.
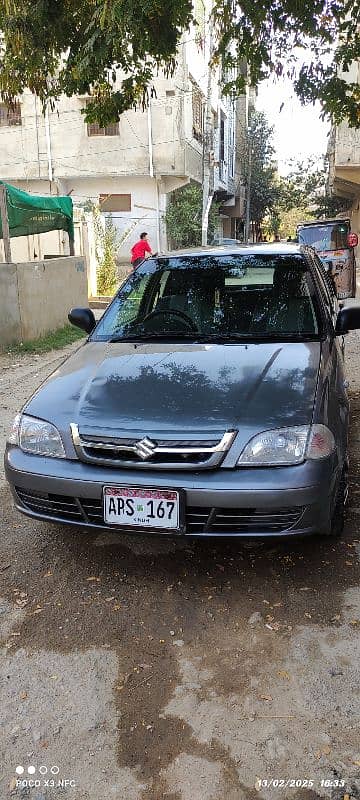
(338, 517)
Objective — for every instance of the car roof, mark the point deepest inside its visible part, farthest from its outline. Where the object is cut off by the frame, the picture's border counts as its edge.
(329, 221)
(271, 248)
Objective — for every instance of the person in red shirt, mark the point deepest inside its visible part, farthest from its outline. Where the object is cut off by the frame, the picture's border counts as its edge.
(139, 250)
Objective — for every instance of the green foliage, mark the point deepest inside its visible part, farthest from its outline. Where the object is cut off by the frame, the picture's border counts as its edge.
(184, 214)
(289, 220)
(75, 47)
(305, 188)
(107, 247)
(264, 191)
(54, 340)
(265, 35)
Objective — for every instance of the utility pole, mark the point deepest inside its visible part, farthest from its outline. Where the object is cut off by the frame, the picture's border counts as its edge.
(248, 190)
(5, 224)
(208, 169)
(249, 170)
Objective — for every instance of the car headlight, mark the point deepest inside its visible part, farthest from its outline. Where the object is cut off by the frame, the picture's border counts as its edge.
(36, 436)
(286, 446)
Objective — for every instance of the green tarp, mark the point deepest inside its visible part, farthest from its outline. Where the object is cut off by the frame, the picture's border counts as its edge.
(29, 213)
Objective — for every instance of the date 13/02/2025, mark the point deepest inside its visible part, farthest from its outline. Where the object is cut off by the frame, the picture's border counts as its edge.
(299, 783)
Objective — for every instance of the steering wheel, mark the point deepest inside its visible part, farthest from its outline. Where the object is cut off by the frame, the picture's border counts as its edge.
(175, 313)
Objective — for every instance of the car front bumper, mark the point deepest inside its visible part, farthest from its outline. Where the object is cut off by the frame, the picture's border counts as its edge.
(271, 502)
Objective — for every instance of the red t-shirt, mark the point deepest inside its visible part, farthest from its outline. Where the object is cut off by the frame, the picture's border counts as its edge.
(139, 249)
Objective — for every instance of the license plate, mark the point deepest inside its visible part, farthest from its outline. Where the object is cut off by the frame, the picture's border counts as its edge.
(141, 508)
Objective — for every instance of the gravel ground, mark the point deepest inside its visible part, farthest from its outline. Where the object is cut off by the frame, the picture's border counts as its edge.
(140, 669)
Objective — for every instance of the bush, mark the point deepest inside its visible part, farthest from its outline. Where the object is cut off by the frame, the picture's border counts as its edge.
(107, 276)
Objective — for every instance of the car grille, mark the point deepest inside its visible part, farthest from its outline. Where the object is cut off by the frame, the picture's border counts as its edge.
(198, 519)
(241, 520)
(51, 505)
(146, 453)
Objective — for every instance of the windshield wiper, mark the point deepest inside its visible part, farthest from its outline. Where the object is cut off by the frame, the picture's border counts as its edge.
(219, 338)
(148, 337)
(258, 337)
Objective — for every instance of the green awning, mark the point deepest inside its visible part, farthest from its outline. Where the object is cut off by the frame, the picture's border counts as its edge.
(29, 213)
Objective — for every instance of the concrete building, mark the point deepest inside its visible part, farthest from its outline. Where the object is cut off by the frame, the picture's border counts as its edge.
(129, 168)
(344, 160)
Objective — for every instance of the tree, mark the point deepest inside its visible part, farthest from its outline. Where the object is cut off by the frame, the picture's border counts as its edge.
(264, 191)
(75, 47)
(183, 217)
(305, 189)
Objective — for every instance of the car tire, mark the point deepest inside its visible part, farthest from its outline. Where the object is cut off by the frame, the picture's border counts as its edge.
(338, 517)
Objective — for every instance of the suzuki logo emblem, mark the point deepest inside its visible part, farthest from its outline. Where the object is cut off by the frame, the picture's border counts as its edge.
(145, 448)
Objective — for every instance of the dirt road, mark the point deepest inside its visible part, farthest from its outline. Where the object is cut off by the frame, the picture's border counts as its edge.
(140, 669)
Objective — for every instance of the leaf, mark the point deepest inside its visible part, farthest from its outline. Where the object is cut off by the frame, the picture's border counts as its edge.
(23, 695)
(48, 574)
(283, 674)
(266, 697)
(93, 578)
(12, 784)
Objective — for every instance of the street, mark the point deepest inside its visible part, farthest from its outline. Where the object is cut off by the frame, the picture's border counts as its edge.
(140, 668)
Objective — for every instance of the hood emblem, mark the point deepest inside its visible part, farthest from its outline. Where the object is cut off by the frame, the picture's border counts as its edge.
(145, 448)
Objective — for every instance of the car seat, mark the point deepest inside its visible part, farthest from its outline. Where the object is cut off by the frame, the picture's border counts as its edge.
(290, 308)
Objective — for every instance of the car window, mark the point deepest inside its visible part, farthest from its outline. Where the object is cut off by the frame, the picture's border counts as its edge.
(331, 236)
(209, 295)
(326, 287)
(124, 310)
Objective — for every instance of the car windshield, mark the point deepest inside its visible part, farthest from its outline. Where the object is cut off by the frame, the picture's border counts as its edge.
(212, 297)
(332, 236)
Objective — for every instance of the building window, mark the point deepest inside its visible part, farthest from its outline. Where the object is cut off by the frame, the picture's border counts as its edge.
(10, 115)
(93, 129)
(198, 113)
(115, 202)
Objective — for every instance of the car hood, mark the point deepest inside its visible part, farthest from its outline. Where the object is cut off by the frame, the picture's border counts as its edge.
(150, 388)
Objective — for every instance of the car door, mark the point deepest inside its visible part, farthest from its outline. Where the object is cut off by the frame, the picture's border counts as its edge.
(332, 391)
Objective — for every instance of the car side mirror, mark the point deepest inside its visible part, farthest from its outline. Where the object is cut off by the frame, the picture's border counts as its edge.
(82, 318)
(348, 319)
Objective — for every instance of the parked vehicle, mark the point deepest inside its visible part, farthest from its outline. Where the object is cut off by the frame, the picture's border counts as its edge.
(334, 242)
(219, 241)
(209, 400)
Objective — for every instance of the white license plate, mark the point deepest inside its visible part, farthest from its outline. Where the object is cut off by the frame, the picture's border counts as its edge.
(141, 508)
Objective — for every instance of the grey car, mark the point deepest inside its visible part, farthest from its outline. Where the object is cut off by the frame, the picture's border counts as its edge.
(210, 400)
